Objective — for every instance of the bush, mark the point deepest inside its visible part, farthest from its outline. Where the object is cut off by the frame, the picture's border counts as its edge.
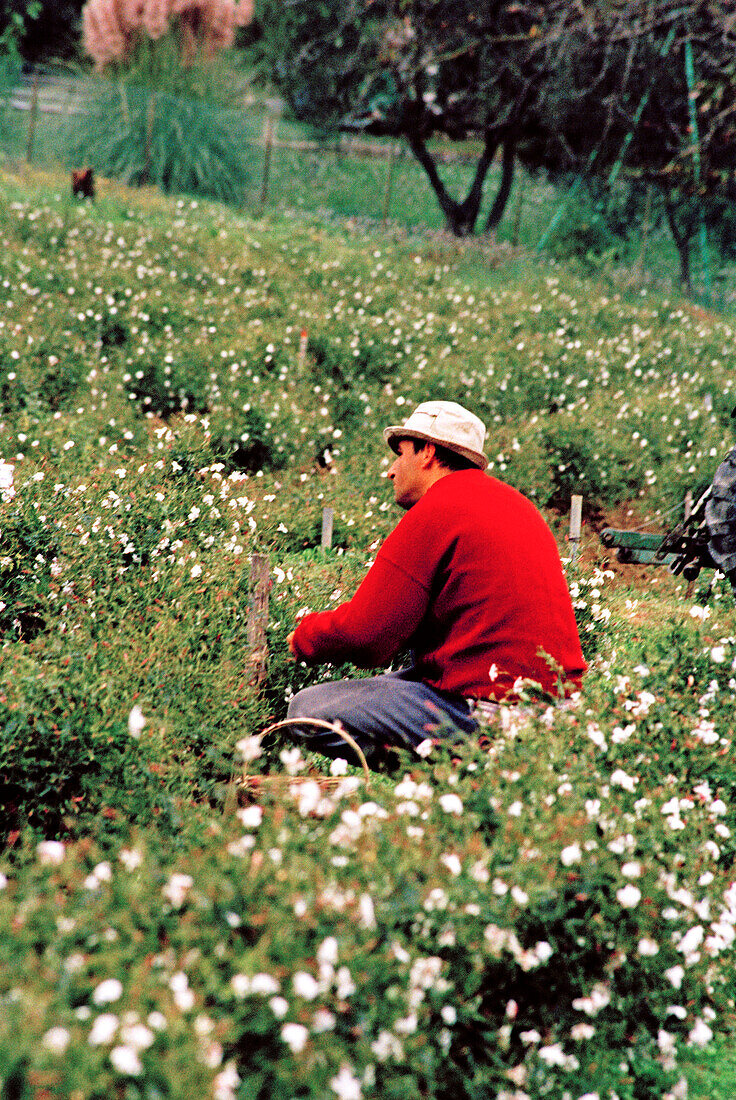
(27, 556)
(181, 145)
(587, 233)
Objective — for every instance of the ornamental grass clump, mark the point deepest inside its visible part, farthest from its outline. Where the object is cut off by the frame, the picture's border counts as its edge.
(163, 113)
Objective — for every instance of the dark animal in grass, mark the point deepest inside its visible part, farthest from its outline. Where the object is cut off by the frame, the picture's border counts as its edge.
(83, 183)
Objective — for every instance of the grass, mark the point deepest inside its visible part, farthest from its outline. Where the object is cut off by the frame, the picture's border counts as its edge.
(163, 425)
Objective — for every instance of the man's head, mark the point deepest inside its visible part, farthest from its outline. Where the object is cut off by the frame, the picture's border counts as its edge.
(438, 437)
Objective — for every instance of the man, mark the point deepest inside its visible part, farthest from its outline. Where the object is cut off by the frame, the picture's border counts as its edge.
(470, 580)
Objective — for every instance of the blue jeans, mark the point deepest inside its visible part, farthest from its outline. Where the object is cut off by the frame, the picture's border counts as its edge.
(383, 712)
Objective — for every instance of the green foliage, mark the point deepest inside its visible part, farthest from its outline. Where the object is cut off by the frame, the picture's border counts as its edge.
(585, 233)
(59, 762)
(556, 904)
(26, 566)
(174, 141)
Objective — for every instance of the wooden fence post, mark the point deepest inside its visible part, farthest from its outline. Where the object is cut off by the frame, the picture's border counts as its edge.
(517, 212)
(303, 342)
(576, 516)
(328, 515)
(257, 660)
(267, 147)
(33, 118)
(389, 181)
(150, 114)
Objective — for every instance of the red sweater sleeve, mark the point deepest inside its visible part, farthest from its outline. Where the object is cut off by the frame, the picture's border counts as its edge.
(371, 628)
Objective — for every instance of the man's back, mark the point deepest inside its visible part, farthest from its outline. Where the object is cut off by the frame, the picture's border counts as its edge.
(496, 592)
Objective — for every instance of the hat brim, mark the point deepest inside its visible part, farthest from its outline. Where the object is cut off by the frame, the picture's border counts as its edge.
(395, 433)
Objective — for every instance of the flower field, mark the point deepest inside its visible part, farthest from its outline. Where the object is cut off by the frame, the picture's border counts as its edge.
(549, 913)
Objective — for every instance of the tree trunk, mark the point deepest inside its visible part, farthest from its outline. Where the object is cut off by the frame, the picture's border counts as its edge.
(682, 236)
(460, 216)
(508, 164)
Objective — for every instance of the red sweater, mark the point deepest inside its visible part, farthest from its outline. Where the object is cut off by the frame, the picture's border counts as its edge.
(471, 580)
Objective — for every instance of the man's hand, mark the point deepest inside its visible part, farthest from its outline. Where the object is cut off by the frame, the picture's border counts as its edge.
(290, 642)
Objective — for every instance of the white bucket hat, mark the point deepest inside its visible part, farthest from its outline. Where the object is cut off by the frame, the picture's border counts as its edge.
(445, 423)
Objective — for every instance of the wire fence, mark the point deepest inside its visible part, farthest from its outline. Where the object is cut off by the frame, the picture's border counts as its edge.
(252, 157)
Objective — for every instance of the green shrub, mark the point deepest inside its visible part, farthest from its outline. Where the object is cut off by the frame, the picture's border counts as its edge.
(27, 555)
(181, 145)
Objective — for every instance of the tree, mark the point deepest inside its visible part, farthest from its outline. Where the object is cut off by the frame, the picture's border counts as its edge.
(583, 89)
(48, 29)
(413, 70)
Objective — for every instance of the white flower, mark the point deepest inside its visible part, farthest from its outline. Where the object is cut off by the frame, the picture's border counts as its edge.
(346, 1085)
(632, 869)
(295, 1036)
(582, 1031)
(598, 998)
(339, 767)
(700, 1035)
(136, 722)
(323, 1020)
(177, 888)
(292, 760)
(367, 911)
(407, 1025)
(553, 1055)
(101, 873)
(226, 1082)
(264, 984)
(240, 985)
(718, 654)
(424, 748)
(126, 1061)
(137, 1036)
(50, 852)
(130, 858)
(425, 972)
(249, 748)
(629, 896)
(251, 817)
(692, 940)
(305, 985)
(451, 804)
(183, 995)
(241, 847)
(451, 862)
(106, 992)
(596, 735)
(675, 975)
(387, 1046)
(619, 778)
(648, 947)
(56, 1040)
(327, 952)
(103, 1029)
(279, 1006)
(571, 854)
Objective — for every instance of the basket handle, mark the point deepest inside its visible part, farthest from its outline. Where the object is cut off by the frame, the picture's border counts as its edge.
(334, 727)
